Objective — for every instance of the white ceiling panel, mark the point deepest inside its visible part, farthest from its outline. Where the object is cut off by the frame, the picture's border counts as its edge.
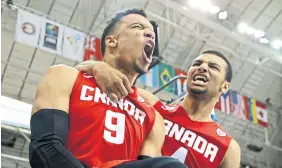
(249, 15)
(42, 6)
(273, 8)
(274, 30)
(230, 43)
(262, 22)
(259, 4)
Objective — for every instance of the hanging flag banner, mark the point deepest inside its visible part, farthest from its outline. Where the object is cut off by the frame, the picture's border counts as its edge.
(243, 107)
(238, 107)
(92, 49)
(51, 37)
(28, 28)
(181, 83)
(151, 78)
(166, 73)
(73, 44)
(261, 114)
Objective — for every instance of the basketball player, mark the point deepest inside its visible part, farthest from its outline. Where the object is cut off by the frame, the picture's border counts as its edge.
(191, 135)
(75, 124)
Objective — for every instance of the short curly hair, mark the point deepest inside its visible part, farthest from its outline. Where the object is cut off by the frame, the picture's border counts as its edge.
(113, 22)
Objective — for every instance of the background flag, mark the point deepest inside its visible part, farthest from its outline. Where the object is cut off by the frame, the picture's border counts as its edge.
(28, 28)
(51, 37)
(73, 46)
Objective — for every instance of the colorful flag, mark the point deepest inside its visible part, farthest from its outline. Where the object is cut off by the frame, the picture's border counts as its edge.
(181, 83)
(261, 114)
(225, 102)
(214, 116)
(51, 37)
(73, 45)
(246, 104)
(28, 28)
(253, 110)
(151, 77)
(237, 105)
(166, 73)
(93, 49)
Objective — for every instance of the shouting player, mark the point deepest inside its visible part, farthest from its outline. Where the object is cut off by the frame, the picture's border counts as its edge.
(75, 124)
(191, 135)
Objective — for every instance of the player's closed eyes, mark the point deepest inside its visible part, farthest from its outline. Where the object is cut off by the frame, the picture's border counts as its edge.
(138, 26)
(196, 64)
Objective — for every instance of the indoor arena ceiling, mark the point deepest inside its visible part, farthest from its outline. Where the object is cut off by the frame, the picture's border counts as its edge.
(184, 32)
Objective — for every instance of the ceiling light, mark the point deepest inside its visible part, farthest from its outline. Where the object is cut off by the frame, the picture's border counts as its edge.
(276, 44)
(264, 40)
(259, 34)
(204, 5)
(250, 30)
(222, 15)
(184, 7)
(242, 28)
(214, 9)
(193, 3)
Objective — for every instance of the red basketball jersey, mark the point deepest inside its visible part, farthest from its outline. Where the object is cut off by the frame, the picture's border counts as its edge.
(101, 130)
(196, 144)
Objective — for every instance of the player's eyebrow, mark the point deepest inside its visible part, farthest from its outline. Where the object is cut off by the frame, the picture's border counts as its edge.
(198, 61)
(214, 64)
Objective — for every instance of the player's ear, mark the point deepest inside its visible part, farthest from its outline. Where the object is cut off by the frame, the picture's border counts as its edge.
(225, 87)
(111, 41)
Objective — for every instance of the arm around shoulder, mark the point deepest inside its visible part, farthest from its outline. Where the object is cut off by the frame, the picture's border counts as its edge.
(152, 146)
(233, 156)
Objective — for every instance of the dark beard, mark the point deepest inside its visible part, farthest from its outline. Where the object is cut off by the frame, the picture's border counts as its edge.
(198, 92)
(138, 69)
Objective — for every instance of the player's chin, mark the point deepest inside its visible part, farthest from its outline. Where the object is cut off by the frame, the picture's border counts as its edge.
(139, 68)
(198, 90)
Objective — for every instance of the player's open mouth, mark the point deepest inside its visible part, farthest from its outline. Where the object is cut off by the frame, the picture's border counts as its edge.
(200, 79)
(148, 50)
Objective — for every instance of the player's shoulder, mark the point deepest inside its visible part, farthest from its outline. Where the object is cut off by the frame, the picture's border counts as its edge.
(166, 108)
(234, 146)
(62, 70)
(220, 132)
(59, 76)
(148, 96)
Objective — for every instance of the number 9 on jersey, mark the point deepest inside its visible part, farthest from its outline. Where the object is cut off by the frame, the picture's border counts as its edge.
(115, 127)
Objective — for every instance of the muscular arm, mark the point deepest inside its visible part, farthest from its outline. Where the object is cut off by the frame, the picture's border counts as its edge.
(49, 121)
(232, 156)
(152, 146)
(55, 88)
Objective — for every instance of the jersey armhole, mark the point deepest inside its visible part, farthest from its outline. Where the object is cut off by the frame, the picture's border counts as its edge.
(77, 83)
(152, 119)
(158, 106)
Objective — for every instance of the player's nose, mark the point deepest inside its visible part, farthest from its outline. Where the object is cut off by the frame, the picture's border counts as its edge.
(203, 68)
(149, 34)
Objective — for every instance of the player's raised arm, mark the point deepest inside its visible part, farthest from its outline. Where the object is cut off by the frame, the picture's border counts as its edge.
(49, 120)
(232, 157)
(152, 146)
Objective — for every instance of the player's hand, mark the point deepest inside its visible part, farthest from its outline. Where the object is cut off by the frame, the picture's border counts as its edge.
(111, 81)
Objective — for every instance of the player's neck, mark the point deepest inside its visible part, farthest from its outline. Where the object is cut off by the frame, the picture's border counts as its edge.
(198, 110)
(115, 63)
